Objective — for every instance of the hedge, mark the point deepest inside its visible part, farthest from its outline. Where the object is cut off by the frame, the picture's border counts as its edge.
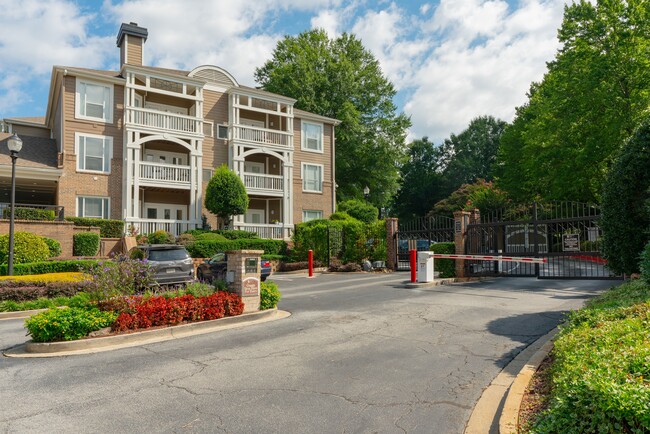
(54, 246)
(107, 228)
(30, 214)
(44, 267)
(446, 267)
(18, 291)
(85, 244)
(27, 247)
(229, 234)
(208, 248)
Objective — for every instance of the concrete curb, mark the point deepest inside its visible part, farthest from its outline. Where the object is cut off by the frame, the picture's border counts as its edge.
(509, 420)
(490, 410)
(20, 314)
(107, 343)
(443, 281)
(289, 273)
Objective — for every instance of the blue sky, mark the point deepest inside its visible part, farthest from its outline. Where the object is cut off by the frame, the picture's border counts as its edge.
(450, 60)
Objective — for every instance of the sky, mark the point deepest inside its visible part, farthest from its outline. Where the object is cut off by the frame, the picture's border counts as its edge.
(449, 60)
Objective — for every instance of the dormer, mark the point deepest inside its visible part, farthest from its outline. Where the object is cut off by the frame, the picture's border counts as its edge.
(131, 39)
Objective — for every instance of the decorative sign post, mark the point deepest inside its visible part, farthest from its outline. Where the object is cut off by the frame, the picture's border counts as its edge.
(244, 276)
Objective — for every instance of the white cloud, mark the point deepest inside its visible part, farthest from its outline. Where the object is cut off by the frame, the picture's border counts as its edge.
(328, 20)
(483, 65)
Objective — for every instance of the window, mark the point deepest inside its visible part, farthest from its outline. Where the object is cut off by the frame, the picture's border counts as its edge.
(312, 177)
(312, 137)
(93, 207)
(311, 215)
(222, 132)
(94, 101)
(94, 153)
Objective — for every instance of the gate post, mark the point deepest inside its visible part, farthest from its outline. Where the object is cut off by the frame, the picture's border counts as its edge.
(391, 243)
(461, 220)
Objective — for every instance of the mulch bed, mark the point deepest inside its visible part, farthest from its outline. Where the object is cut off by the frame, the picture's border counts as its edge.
(536, 397)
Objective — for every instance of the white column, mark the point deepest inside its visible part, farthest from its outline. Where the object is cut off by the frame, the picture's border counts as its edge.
(136, 182)
(127, 178)
(192, 207)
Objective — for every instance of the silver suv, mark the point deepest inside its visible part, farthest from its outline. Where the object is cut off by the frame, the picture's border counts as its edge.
(170, 262)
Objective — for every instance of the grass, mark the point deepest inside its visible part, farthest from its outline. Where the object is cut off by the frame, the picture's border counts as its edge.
(49, 277)
(600, 379)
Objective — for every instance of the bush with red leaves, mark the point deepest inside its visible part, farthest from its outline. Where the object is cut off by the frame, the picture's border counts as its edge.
(137, 312)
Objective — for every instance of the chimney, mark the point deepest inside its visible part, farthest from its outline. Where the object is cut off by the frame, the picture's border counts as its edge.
(131, 39)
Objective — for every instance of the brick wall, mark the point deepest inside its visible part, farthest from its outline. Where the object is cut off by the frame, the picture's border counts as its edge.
(57, 230)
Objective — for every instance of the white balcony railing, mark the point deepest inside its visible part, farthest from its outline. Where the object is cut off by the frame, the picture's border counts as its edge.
(277, 232)
(163, 121)
(148, 226)
(254, 181)
(165, 173)
(262, 136)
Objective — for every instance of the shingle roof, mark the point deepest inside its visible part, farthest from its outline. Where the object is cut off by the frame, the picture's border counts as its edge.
(36, 152)
(39, 120)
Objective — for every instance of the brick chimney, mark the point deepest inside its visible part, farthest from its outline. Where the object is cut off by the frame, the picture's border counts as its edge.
(131, 39)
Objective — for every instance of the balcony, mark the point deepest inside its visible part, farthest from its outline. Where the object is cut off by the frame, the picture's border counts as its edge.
(164, 175)
(276, 232)
(263, 184)
(149, 226)
(262, 136)
(158, 121)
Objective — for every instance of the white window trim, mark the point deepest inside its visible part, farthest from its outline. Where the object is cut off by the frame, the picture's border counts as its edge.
(318, 211)
(108, 205)
(302, 176)
(303, 137)
(77, 101)
(108, 140)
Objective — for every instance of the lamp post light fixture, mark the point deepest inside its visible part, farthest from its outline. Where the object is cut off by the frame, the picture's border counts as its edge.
(366, 192)
(15, 144)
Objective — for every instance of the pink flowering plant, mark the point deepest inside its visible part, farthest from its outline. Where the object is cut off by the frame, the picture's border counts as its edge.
(118, 277)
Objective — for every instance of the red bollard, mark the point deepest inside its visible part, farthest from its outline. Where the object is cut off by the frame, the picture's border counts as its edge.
(311, 263)
(413, 266)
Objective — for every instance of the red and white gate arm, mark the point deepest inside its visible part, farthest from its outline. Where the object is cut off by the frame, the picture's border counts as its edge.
(489, 258)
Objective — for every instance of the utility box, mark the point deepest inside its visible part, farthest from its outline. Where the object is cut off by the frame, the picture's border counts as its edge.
(425, 267)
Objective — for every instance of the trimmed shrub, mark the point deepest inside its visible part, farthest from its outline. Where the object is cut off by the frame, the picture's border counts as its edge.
(446, 267)
(225, 194)
(67, 324)
(27, 248)
(340, 215)
(46, 267)
(626, 194)
(85, 244)
(210, 236)
(54, 246)
(351, 246)
(30, 214)
(24, 291)
(360, 210)
(295, 266)
(269, 295)
(185, 239)
(208, 248)
(161, 237)
(107, 228)
(80, 299)
(644, 264)
(229, 234)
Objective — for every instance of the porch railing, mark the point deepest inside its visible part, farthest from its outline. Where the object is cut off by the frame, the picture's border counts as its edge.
(165, 173)
(276, 232)
(163, 120)
(25, 211)
(263, 182)
(175, 227)
(262, 136)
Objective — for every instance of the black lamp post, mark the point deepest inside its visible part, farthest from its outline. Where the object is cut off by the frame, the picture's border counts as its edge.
(15, 144)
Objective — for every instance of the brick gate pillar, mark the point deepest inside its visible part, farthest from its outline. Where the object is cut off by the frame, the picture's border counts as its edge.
(391, 245)
(461, 220)
(243, 276)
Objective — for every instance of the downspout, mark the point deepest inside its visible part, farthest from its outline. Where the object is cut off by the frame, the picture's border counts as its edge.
(333, 170)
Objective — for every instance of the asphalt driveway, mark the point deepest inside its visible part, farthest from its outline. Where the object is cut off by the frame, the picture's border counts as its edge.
(360, 353)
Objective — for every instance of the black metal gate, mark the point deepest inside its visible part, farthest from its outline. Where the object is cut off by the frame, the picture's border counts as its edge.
(419, 233)
(567, 234)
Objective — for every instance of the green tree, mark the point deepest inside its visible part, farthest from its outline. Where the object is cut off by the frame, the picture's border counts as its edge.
(359, 210)
(421, 181)
(225, 195)
(341, 79)
(472, 154)
(626, 197)
(594, 94)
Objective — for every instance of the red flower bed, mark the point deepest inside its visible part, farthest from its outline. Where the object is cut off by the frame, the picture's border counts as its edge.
(137, 312)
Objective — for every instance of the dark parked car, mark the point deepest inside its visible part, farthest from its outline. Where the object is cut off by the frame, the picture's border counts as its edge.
(215, 268)
(171, 263)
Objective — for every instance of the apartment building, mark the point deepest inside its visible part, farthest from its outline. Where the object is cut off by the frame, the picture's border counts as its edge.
(140, 144)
